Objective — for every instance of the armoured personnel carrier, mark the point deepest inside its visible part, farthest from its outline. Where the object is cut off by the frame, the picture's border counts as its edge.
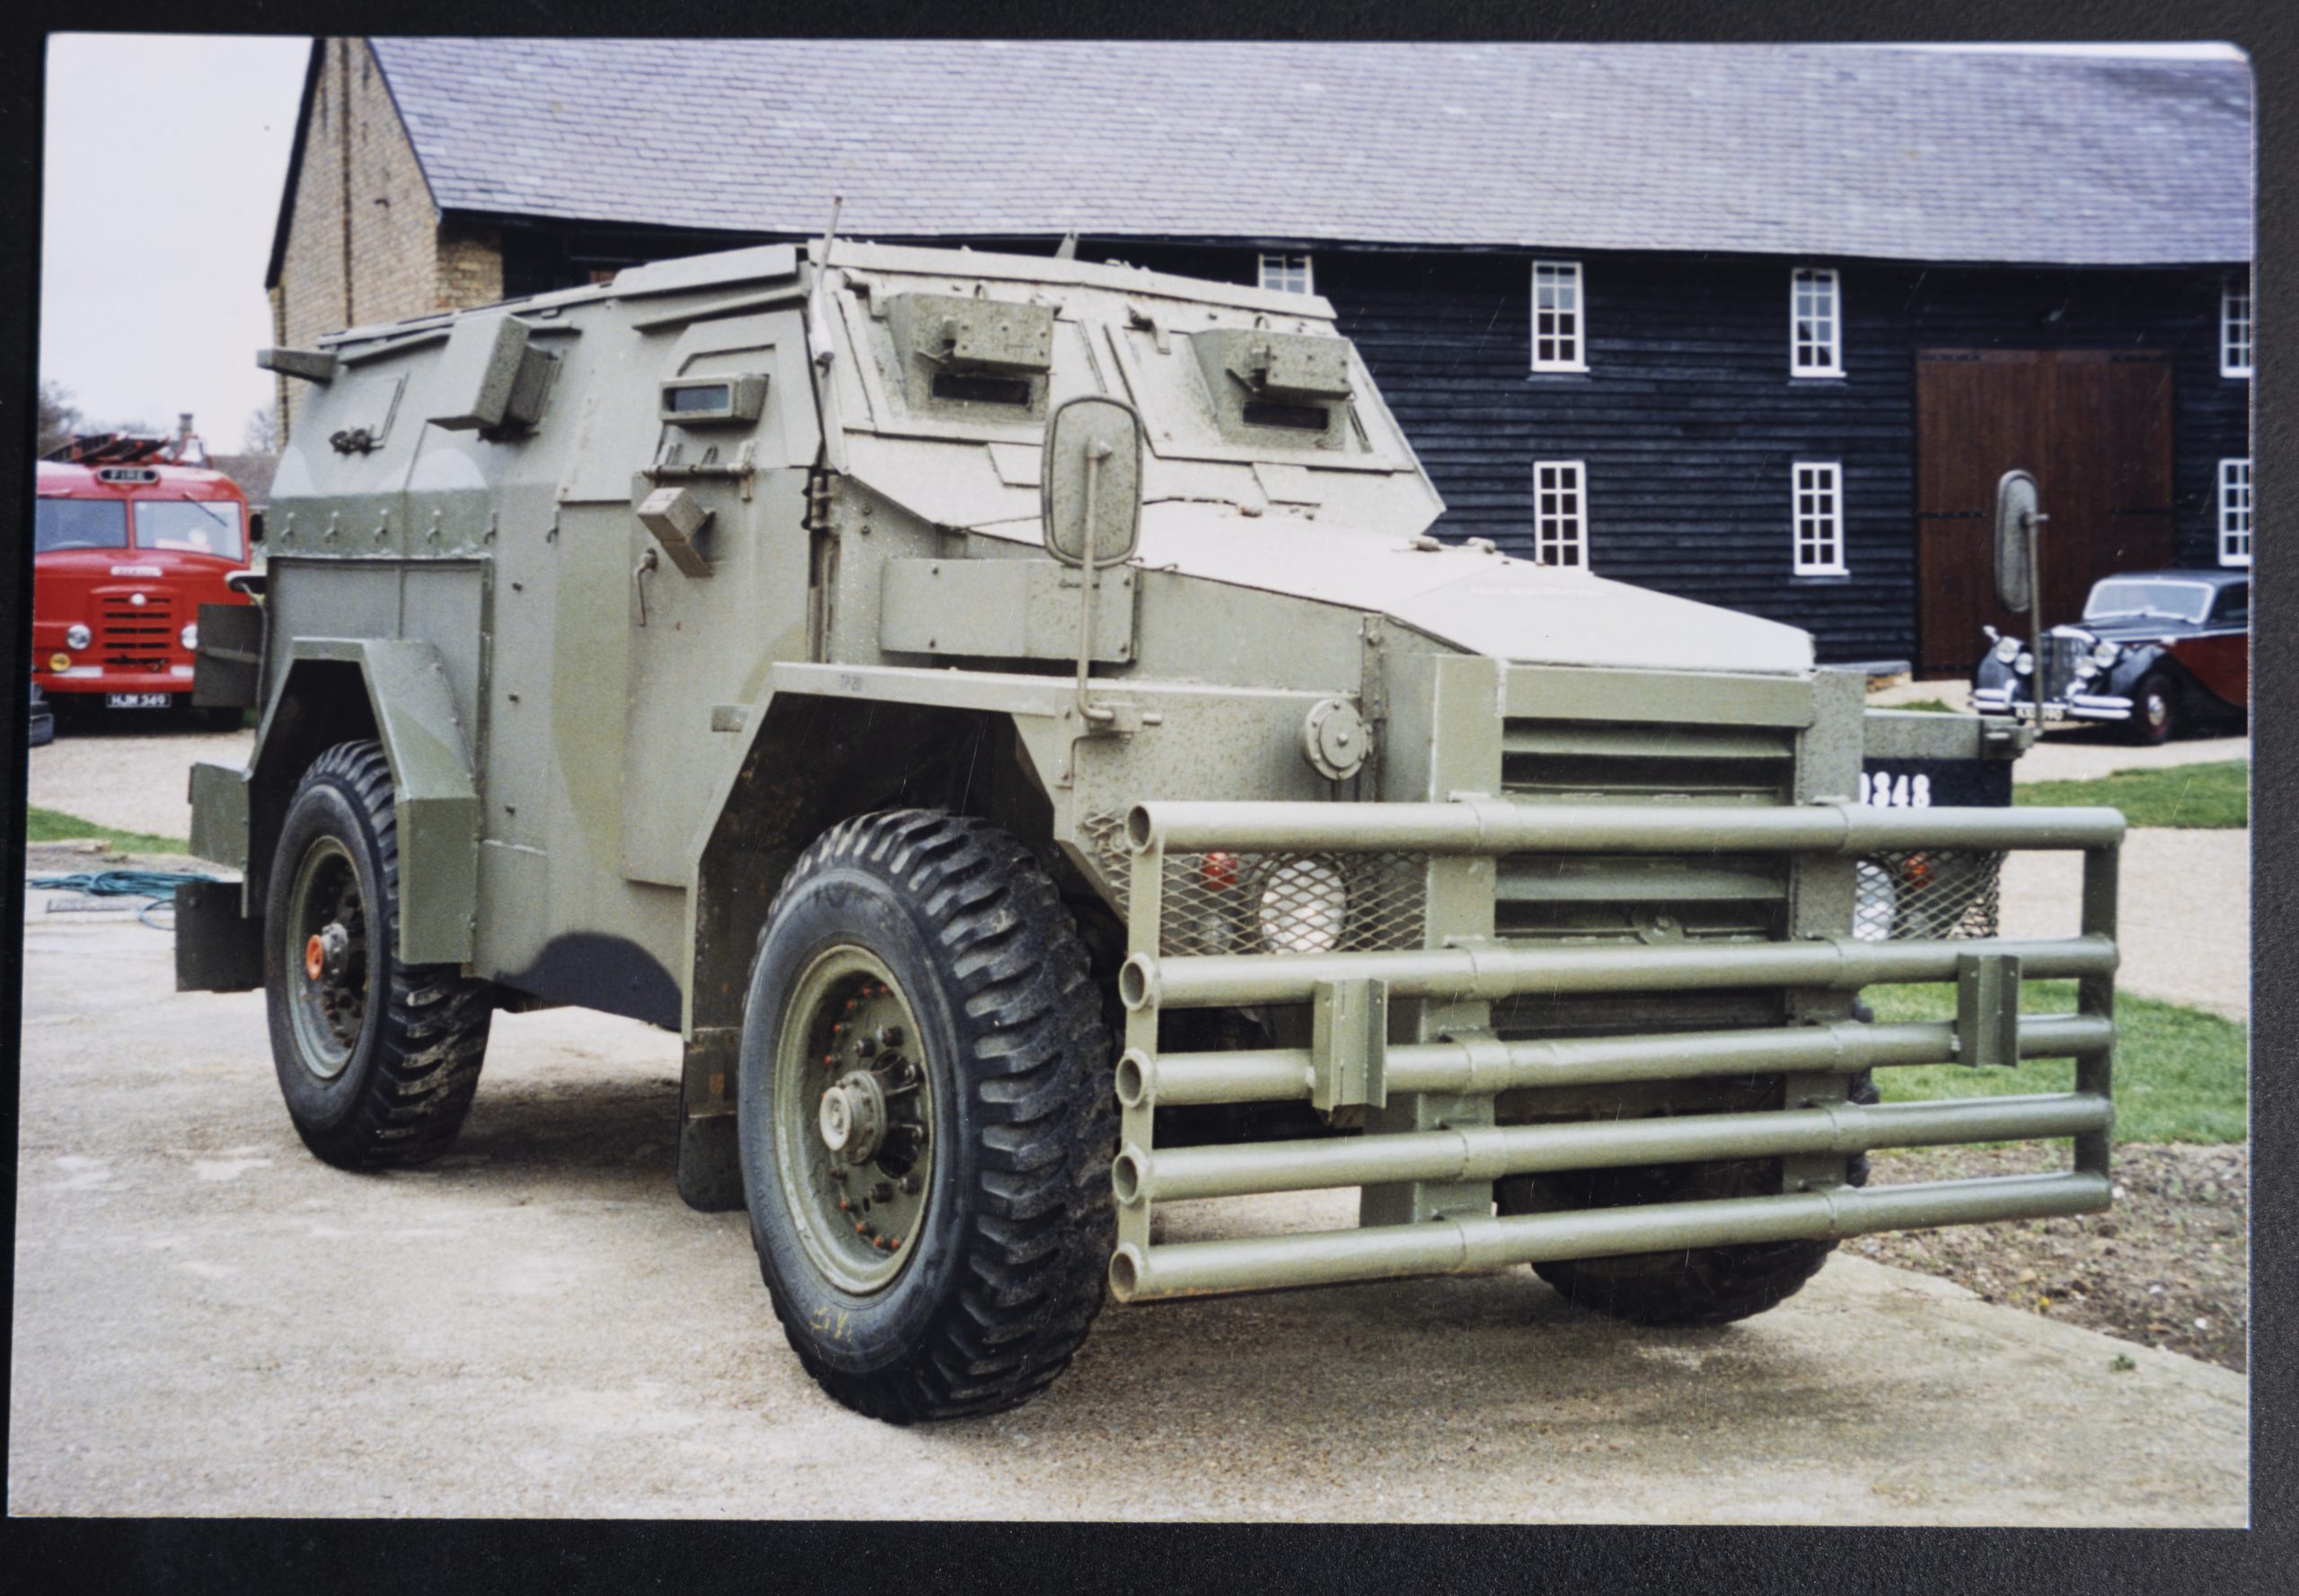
(1010, 717)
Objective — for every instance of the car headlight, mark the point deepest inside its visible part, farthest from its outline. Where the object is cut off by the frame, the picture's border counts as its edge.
(190, 637)
(77, 635)
(1304, 902)
(2103, 653)
(2007, 649)
(2025, 663)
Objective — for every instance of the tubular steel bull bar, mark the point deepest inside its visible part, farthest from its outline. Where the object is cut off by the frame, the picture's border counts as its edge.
(1351, 1060)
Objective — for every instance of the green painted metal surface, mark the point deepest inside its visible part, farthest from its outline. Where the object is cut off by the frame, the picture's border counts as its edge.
(647, 584)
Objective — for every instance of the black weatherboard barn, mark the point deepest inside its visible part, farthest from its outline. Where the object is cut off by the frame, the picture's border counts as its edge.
(1757, 325)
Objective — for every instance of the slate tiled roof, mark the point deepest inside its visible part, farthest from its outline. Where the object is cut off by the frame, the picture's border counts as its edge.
(1824, 150)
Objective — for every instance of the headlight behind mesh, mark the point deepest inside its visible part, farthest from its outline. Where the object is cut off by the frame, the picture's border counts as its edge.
(1303, 906)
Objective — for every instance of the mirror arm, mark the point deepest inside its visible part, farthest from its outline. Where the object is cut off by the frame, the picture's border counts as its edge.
(2035, 519)
(1089, 581)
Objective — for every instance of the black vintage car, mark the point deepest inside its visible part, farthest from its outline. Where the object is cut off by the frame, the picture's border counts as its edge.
(2155, 652)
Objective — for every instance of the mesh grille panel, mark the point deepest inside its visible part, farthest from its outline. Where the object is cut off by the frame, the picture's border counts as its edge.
(1932, 893)
(1276, 902)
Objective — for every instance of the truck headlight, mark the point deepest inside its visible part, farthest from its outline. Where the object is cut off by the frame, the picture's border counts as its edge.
(2103, 653)
(77, 635)
(2025, 663)
(190, 637)
(2007, 649)
(1303, 905)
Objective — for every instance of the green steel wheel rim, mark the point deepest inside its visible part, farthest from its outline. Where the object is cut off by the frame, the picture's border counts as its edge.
(327, 959)
(853, 1120)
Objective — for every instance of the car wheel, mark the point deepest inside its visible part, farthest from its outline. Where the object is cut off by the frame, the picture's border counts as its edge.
(377, 1059)
(927, 1118)
(2156, 715)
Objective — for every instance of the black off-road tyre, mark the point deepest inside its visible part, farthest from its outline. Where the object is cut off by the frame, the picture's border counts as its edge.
(400, 1094)
(1002, 1270)
(2159, 710)
(1701, 1285)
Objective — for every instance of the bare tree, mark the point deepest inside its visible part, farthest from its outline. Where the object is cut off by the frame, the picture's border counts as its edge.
(60, 417)
(263, 431)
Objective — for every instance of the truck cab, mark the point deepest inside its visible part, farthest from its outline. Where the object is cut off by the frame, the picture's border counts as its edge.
(125, 552)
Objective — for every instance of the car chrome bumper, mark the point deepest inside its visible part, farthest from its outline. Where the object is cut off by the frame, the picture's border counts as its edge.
(2076, 706)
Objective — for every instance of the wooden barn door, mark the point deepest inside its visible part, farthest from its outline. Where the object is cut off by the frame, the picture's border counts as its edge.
(2095, 429)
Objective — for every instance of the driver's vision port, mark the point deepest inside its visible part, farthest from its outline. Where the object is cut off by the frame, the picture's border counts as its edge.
(1299, 418)
(973, 388)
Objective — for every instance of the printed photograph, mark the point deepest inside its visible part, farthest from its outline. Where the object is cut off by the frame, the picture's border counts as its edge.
(1226, 781)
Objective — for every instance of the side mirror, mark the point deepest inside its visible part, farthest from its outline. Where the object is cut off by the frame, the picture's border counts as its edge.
(1091, 500)
(2016, 516)
(255, 526)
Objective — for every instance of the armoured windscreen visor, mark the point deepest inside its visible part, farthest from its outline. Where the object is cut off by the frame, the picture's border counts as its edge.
(719, 399)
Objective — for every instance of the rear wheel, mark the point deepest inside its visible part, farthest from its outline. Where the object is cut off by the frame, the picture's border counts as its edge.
(1700, 1285)
(377, 1059)
(927, 1119)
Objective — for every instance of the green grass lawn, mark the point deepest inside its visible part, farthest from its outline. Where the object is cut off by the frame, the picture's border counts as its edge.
(2180, 1072)
(2192, 797)
(53, 825)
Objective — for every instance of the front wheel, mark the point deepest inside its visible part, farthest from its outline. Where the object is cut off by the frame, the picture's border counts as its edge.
(2156, 711)
(377, 1059)
(927, 1118)
(1699, 1285)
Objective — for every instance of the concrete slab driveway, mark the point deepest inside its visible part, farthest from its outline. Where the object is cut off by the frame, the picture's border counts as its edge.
(207, 1321)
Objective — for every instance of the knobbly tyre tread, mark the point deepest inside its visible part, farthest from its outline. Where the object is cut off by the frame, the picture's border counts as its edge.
(431, 1040)
(1698, 1286)
(1039, 1234)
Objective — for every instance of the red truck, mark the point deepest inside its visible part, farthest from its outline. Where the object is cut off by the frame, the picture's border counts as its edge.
(126, 545)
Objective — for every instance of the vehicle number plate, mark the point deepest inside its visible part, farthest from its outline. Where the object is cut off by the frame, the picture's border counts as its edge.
(138, 700)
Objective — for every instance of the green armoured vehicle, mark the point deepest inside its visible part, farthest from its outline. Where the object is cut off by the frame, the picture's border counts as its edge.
(1010, 717)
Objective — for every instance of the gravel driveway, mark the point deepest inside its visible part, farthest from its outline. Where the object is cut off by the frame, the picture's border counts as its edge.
(208, 1321)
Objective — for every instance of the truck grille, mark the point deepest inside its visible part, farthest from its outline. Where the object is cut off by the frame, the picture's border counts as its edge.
(1662, 900)
(133, 637)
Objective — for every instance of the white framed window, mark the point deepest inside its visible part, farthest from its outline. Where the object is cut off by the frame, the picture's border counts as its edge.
(1815, 322)
(1558, 317)
(2235, 512)
(1560, 513)
(1287, 274)
(2235, 329)
(1819, 517)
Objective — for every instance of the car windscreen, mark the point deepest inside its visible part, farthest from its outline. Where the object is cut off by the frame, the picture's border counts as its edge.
(190, 526)
(2162, 601)
(59, 524)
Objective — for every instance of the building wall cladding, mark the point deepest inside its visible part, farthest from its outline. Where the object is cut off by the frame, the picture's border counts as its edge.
(364, 243)
(1688, 423)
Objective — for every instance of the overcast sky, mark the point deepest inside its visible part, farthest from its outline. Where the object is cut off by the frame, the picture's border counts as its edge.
(165, 156)
(165, 159)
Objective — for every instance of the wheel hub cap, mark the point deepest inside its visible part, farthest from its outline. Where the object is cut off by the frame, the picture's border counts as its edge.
(323, 951)
(853, 1119)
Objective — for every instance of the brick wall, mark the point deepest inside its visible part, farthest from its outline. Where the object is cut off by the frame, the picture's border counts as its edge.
(364, 243)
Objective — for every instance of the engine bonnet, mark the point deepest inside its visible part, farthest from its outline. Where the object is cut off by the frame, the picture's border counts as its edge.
(1482, 602)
